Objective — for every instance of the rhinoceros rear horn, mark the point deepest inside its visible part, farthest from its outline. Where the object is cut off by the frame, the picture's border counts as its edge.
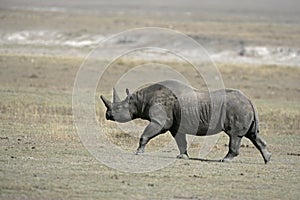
(116, 97)
(106, 102)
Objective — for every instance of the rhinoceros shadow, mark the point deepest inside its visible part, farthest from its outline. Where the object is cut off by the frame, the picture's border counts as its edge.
(206, 160)
(221, 161)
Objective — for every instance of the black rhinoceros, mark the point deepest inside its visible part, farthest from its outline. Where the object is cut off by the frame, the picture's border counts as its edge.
(176, 107)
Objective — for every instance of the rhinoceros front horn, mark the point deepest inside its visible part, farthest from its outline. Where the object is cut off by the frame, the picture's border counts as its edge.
(106, 102)
(116, 97)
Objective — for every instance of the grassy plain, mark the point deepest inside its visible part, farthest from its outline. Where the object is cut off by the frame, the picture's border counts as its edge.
(42, 156)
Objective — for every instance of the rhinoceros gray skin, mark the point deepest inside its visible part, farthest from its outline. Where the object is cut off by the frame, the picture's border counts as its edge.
(176, 107)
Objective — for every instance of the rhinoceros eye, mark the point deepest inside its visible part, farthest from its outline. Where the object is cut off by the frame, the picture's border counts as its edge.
(131, 99)
(117, 107)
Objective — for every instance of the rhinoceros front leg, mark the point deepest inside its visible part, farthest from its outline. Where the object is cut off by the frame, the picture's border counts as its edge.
(152, 130)
(181, 142)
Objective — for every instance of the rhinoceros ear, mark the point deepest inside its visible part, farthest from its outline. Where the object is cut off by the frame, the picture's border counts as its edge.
(106, 102)
(116, 97)
(127, 91)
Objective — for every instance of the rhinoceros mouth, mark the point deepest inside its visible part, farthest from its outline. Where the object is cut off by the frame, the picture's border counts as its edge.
(109, 117)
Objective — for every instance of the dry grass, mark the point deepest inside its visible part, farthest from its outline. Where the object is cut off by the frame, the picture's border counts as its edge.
(46, 98)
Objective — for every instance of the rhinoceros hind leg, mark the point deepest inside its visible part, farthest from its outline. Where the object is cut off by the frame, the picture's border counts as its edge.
(180, 139)
(234, 146)
(261, 145)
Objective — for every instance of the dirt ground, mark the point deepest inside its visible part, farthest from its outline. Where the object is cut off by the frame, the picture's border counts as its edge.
(42, 156)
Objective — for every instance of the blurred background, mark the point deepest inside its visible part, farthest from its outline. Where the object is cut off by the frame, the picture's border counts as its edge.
(248, 32)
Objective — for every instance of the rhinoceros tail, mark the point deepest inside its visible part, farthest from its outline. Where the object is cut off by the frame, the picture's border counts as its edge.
(256, 123)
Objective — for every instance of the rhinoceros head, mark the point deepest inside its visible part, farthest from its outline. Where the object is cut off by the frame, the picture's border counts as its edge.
(120, 111)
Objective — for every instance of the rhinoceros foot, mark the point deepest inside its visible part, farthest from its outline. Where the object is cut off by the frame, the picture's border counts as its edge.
(139, 151)
(183, 156)
(227, 160)
(267, 157)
